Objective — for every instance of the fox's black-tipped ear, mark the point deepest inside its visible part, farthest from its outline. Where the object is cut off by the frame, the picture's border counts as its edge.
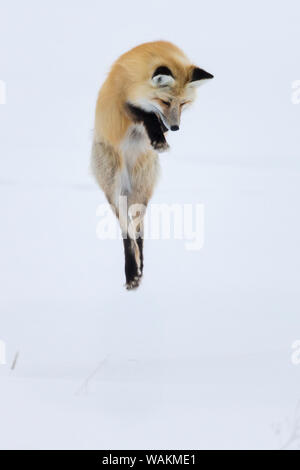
(198, 75)
(162, 77)
(162, 70)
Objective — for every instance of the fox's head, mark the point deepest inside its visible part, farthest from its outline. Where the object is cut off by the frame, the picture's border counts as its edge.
(164, 81)
(168, 97)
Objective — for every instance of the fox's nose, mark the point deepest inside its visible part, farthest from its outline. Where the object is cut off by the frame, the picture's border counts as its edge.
(174, 128)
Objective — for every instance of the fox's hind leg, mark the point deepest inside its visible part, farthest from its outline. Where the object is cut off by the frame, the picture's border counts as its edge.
(143, 179)
(133, 244)
(140, 242)
(109, 169)
(131, 271)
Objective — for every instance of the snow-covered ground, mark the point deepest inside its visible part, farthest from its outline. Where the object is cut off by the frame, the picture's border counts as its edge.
(200, 355)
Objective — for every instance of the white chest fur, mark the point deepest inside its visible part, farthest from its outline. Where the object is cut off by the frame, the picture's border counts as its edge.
(135, 144)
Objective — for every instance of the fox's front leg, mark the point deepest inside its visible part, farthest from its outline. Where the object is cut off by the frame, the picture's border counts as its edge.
(154, 127)
(155, 133)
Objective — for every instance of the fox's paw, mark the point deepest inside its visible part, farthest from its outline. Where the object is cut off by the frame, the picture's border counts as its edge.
(134, 283)
(161, 145)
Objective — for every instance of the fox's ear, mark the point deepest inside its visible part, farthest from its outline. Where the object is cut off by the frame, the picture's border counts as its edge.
(162, 77)
(199, 76)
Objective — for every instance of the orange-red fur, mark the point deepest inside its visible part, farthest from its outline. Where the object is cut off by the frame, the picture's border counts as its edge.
(123, 159)
(129, 78)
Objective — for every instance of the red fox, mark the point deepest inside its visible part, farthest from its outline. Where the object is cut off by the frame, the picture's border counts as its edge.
(141, 99)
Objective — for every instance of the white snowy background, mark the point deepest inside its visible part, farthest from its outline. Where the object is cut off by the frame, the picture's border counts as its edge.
(200, 356)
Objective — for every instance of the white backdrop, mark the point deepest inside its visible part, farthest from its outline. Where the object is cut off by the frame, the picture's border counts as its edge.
(200, 356)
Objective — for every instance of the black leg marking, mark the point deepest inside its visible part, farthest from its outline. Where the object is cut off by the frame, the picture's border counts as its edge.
(153, 125)
(131, 269)
(140, 243)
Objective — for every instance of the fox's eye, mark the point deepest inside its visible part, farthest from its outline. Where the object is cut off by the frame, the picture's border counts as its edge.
(166, 103)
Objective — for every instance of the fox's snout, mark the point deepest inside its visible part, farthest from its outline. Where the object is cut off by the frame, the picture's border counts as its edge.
(172, 116)
(175, 119)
